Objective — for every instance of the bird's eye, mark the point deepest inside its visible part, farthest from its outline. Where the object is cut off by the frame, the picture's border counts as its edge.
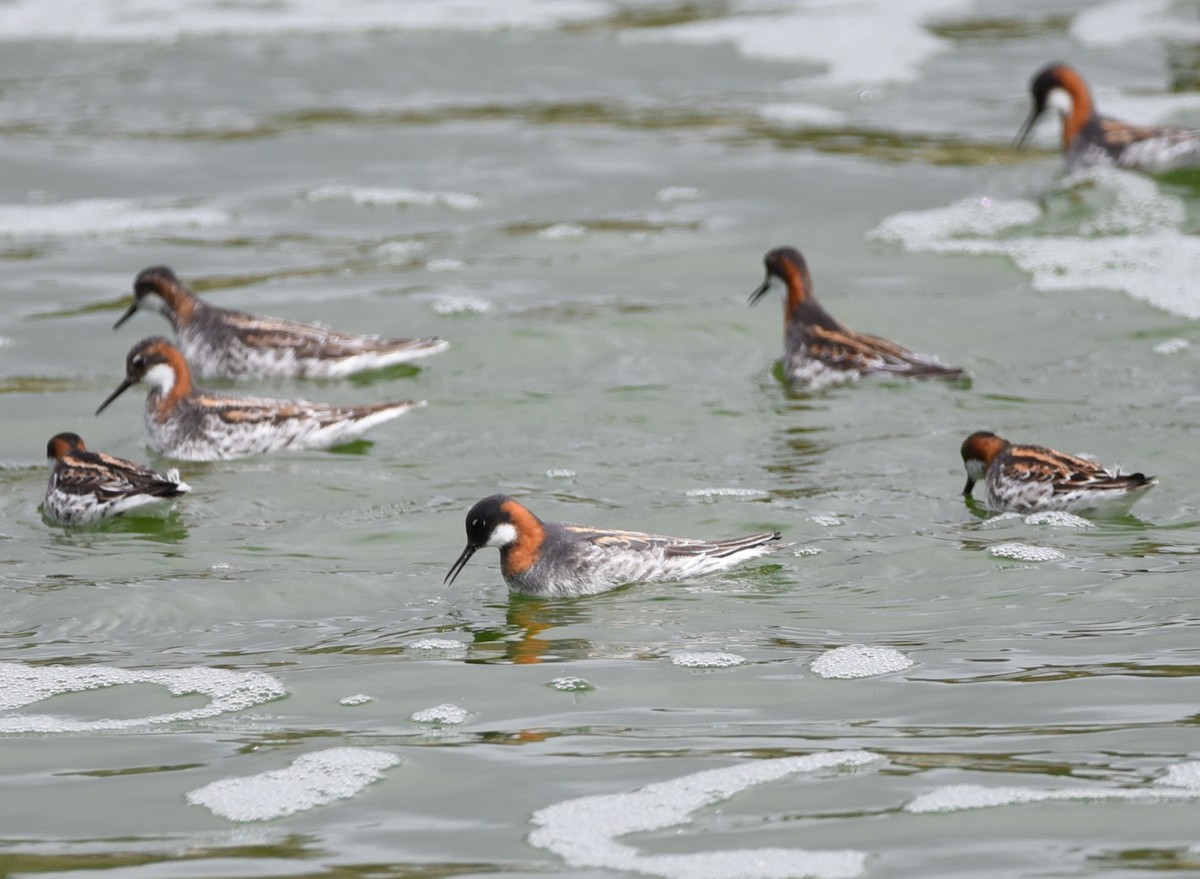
(138, 361)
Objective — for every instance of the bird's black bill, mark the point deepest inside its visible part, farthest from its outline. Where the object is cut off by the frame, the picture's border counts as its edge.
(458, 565)
(761, 291)
(127, 315)
(121, 388)
(1027, 127)
(967, 488)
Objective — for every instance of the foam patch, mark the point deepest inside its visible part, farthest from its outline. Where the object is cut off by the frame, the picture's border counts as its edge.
(584, 832)
(366, 196)
(707, 660)
(1024, 552)
(709, 493)
(1058, 519)
(312, 780)
(100, 216)
(1182, 782)
(441, 714)
(1132, 241)
(817, 32)
(859, 661)
(228, 692)
(571, 685)
(157, 20)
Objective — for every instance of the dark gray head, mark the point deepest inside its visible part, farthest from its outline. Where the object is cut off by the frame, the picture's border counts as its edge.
(489, 523)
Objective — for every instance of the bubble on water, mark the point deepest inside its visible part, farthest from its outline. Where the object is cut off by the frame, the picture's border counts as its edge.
(441, 714)
(1024, 552)
(452, 305)
(571, 685)
(357, 699)
(859, 661)
(801, 551)
(312, 780)
(228, 691)
(1058, 519)
(584, 832)
(696, 659)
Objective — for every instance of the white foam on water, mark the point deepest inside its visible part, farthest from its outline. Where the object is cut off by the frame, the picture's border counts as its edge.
(228, 691)
(378, 196)
(859, 661)
(727, 492)
(571, 685)
(1024, 552)
(695, 659)
(802, 551)
(584, 832)
(560, 473)
(357, 699)
(1171, 346)
(670, 194)
(1182, 782)
(818, 32)
(100, 216)
(440, 646)
(1058, 519)
(1121, 22)
(445, 265)
(1135, 244)
(157, 20)
(312, 780)
(562, 232)
(828, 521)
(399, 251)
(451, 305)
(1183, 775)
(800, 114)
(441, 714)
(1001, 519)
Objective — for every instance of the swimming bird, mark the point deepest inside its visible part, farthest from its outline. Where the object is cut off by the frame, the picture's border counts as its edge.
(819, 350)
(1032, 479)
(87, 486)
(223, 343)
(552, 559)
(186, 422)
(1091, 139)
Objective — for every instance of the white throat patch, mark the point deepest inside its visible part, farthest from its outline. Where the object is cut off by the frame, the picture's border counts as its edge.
(161, 376)
(1060, 100)
(502, 535)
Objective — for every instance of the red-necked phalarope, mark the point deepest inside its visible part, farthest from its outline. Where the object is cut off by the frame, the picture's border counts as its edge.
(551, 559)
(1031, 479)
(223, 343)
(1091, 139)
(186, 422)
(87, 486)
(821, 351)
